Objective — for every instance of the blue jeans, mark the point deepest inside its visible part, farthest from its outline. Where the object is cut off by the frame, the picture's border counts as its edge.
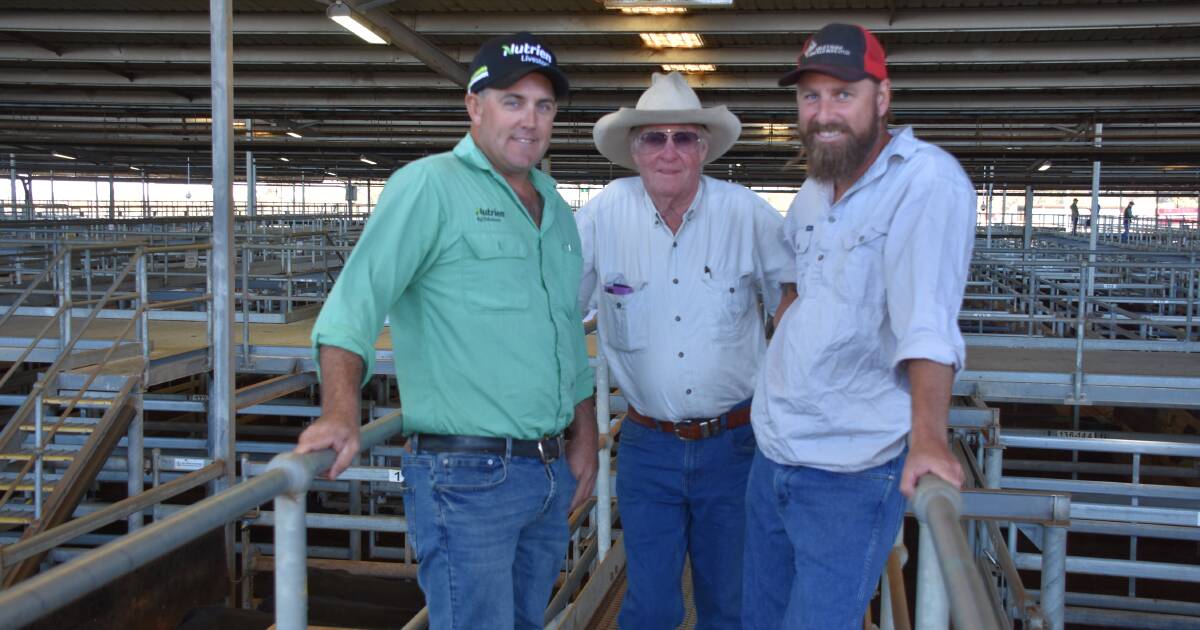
(678, 498)
(490, 533)
(816, 543)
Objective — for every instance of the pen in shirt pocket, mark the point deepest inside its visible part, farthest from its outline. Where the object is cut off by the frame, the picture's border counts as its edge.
(616, 288)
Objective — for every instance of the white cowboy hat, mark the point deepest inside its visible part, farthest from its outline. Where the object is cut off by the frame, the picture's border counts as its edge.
(668, 101)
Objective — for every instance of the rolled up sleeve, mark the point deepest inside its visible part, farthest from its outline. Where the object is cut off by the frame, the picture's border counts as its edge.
(395, 247)
(927, 258)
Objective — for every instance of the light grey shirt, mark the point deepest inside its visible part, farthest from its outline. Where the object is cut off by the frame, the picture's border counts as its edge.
(680, 324)
(880, 277)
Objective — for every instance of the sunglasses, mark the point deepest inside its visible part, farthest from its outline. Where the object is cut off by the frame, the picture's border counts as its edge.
(657, 140)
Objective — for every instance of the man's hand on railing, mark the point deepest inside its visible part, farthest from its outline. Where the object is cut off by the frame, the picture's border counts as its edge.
(337, 433)
(929, 456)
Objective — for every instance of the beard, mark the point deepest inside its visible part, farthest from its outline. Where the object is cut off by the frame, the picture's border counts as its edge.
(833, 162)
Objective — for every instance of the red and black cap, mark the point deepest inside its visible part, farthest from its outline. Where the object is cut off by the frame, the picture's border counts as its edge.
(844, 51)
(502, 61)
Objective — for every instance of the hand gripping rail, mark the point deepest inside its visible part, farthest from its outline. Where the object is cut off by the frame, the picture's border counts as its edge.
(288, 475)
(938, 506)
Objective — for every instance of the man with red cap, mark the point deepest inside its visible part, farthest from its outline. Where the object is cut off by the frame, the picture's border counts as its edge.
(852, 400)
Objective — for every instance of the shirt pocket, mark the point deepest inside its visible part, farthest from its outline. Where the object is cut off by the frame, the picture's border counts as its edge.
(732, 296)
(498, 273)
(803, 241)
(623, 319)
(858, 278)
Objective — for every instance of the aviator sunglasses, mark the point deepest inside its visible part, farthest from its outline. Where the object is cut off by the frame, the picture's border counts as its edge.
(657, 140)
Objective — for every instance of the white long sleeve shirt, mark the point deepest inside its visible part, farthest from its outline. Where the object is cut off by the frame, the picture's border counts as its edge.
(880, 277)
(680, 324)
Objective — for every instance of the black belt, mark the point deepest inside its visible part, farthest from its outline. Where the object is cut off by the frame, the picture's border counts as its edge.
(546, 449)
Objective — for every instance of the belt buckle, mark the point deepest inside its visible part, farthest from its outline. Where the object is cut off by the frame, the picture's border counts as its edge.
(542, 452)
(681, 436)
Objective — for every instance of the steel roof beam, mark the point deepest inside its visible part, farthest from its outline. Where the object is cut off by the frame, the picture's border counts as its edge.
(933, 82)
(601, 23)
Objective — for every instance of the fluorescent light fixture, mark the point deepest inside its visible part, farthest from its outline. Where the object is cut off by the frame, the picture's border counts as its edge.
(652, 10)
(668, 4)
(283, 159)
(353, 22)
(1044, 166)
(63, 156)
(689, 68)
(293, 134)
(672, 40)
(331, 173)
(365, 160)
(204, 120)
(134, 168)
(777, 129)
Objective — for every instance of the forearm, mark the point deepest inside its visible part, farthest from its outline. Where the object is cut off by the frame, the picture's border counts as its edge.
(583, 428)
(785, 300)
(341, 376)
(930, 384)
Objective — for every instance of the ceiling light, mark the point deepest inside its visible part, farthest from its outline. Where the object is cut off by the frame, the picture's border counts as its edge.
(283, 159)
(331, 173)
(204, 120)
(668, 4)
(672, 40)
(364, 160)
(691, 68)
(652, 10)
(293, 134)
(353, 22)
(1044, 166)
(134, 168)
(777, 129)
(63, 156)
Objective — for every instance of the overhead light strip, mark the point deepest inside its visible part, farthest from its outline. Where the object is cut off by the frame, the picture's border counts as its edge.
(672, 40)
(351, 21)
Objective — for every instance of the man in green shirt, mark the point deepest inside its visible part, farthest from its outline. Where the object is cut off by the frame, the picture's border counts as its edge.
(475, 260)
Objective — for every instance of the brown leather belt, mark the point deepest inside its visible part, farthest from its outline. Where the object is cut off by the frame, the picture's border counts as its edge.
(698, 428)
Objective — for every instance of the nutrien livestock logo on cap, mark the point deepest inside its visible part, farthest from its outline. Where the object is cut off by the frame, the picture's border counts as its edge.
(825, 49)
(530, 53)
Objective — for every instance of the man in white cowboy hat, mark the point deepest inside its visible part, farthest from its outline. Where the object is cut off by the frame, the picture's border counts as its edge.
(853, 397)
(677, 264)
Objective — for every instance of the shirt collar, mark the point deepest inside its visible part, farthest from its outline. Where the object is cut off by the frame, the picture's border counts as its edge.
(902, 146)
(690, 213)
(469, 152)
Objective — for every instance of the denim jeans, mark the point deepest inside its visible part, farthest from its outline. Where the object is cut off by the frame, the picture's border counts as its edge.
(490, 533)
(816, 543)
(678, 498)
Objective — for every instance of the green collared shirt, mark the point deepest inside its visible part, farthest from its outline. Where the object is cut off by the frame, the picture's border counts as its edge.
(482, 303)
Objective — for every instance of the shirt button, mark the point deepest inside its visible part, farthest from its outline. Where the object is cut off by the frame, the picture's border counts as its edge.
(832, 220)
(821, 257)
(675, 281)
(680, 355)
(676, 318)
(732, 290)
(688, 392)
(861, 239)
(674, 244)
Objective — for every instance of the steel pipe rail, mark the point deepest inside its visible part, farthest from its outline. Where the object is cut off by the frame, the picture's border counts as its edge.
(40, 595)
(938, 505)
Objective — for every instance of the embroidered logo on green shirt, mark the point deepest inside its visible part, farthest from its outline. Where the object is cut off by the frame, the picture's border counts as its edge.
(492, 215)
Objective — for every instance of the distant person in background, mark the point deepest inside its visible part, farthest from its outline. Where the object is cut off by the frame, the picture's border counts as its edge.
(1125, 224)
(1074, 216)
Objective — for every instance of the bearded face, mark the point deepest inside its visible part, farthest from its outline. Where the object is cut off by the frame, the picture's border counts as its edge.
(839, 124)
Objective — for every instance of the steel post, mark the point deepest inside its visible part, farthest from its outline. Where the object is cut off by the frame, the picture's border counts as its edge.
(134, 484)
(12, 182)
(1054, 576)
(291, 572)
(1028, 232)
(221, 412)
(604, 473)
(933, 608)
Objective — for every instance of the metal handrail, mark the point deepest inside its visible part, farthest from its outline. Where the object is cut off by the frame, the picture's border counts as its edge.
(44, 593)
(938, 506)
